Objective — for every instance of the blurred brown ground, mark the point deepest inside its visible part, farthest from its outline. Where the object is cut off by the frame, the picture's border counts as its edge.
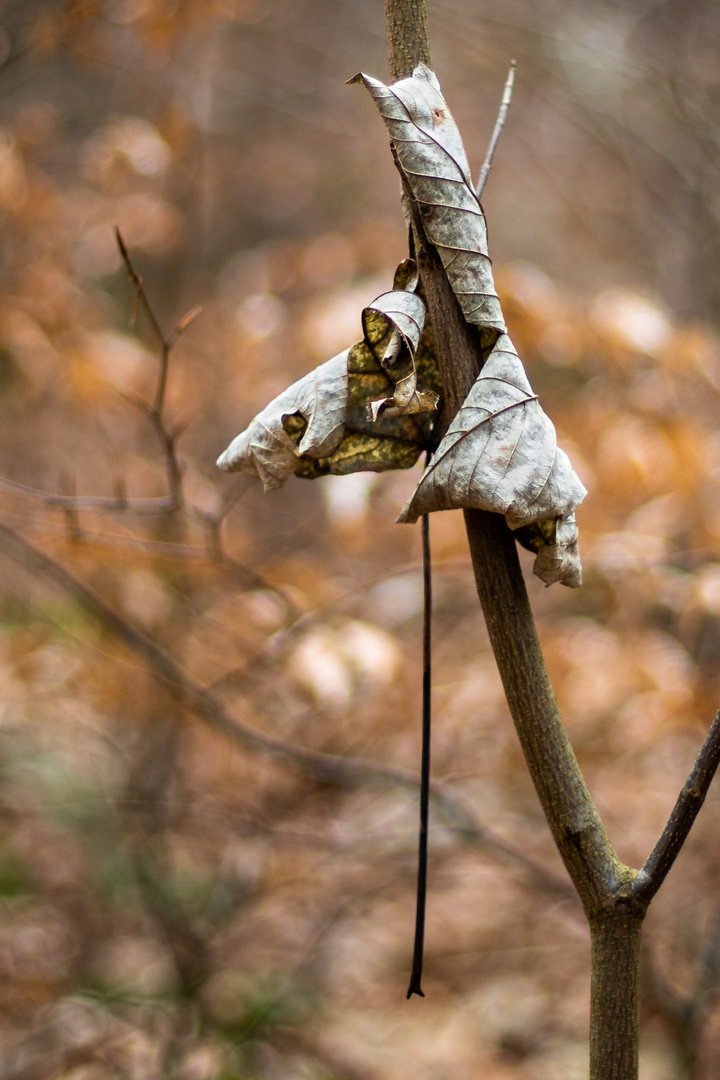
(177, 906)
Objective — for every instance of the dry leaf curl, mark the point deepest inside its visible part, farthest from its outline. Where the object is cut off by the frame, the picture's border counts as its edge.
(500, 454)
(357, 411)
(266, 449)
(432, 158)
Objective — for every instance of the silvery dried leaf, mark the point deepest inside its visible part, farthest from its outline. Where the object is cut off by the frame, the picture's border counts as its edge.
(500, 454)
(433, 160)
(320, 425)
(393, 326)
(560, 561)
(266, 449)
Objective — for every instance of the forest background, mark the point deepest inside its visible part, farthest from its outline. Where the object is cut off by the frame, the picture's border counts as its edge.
(180, 897)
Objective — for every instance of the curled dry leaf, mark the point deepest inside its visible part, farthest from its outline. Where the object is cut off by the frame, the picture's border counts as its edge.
(320, 424)
(393, 326)
(561, 561)
(500, 454)
(555, 542)
(433, 160)
(266, 449)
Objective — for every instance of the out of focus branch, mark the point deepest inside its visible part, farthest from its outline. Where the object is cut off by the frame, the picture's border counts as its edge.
(167, 436)
(154, 412)
(174, 500)
(329, 768)
(685, 1014)
(119, 503)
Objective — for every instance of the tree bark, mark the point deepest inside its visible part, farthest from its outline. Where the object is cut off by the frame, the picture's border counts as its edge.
(615, 992)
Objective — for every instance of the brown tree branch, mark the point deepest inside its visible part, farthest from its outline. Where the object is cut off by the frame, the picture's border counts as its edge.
(162, 504)
(497, 131)
(154, 412)
(602, 881)
(575, 823)
(681, 821)
(159, 504)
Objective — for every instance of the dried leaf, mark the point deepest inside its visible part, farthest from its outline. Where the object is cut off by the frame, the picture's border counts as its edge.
(555, 542)
(561, 561)
(500, 454)
(266, 449)
(393, 326)
(433, 160)
(320, 424)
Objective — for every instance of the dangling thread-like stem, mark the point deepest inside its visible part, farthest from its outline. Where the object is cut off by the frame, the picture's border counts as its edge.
(417, 966)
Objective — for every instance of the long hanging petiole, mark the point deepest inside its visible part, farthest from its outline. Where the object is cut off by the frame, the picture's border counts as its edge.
(417, 966)
(415, 986)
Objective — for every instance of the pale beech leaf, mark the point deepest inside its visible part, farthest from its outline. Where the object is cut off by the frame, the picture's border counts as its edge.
(560, 561)
(433, 160)
(320, 424)
(500, 453)
(266, 449)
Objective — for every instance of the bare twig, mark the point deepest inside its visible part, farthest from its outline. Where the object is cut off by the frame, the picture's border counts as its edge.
(154, 412)
(502, 113)
(140, 294)
(72, 521)
(686, 809)
(72, 504)
(119, 503)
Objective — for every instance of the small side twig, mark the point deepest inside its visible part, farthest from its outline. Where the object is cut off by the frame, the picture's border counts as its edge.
(72, 521)
(155, 412)
(686, 809)
(140, 294)
(72, 504)
(502, 113)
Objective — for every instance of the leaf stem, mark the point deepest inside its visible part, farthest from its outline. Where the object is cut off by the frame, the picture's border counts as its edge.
(417, 965)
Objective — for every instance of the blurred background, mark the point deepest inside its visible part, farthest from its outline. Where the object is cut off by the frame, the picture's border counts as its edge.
(189, 888)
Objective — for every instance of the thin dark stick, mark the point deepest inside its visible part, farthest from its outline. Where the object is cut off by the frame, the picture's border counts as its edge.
(166, 342)
(686, 809)
(139, 289)
(504, 106)
(418, 948)
(417, 966)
